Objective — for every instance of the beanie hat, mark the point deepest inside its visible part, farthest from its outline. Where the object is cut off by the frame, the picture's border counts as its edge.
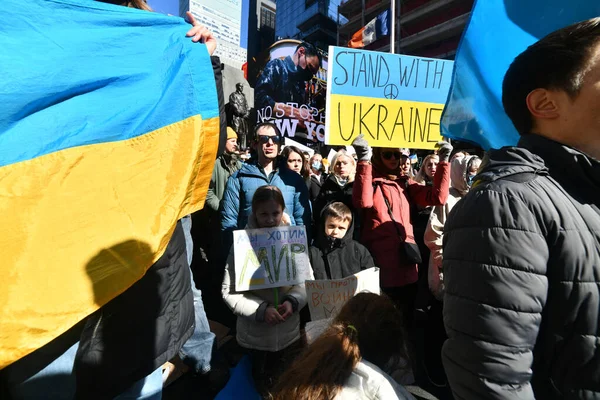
(231, 133)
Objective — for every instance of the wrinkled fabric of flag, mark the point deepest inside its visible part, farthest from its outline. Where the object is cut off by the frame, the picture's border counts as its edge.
(108, 134)
(498, 31)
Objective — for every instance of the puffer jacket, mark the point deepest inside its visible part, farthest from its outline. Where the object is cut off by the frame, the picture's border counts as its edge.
(434, 232)
(522, 272)
(369, 382)
(240, 188)
(378, 232)
(249, 306)
(339, 258)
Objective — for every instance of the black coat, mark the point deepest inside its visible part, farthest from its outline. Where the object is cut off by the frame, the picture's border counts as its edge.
(315, 184)
(522, 272)
(331, 191)
(139, 330)
(340, 258)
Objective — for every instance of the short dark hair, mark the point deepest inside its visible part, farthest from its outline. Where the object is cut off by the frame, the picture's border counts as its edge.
(266, 125)
(557, 61)
(310, 50)
(337, 210)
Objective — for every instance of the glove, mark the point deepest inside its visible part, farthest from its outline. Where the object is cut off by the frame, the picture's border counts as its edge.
(362, 148)
(444, 150)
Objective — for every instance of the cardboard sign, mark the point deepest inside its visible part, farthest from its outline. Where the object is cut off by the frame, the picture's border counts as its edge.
(271, 257)
(327, 297)
(393, 99)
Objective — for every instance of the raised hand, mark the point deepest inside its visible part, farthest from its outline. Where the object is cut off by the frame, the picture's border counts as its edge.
(200, 33)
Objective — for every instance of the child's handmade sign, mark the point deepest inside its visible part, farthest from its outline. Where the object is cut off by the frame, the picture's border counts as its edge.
(327, 297)
(270, 257)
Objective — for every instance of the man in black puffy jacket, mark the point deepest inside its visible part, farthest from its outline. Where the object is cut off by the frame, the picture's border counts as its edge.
(522, 249)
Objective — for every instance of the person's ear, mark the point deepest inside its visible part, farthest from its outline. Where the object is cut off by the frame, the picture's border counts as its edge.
(543, 104)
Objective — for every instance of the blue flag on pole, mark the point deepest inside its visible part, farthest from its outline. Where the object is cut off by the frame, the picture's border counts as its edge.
(498, 31)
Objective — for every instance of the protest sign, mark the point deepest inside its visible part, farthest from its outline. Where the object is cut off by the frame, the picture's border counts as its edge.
(327, 297)
(393, 99)
(270, 257)
(285, 95)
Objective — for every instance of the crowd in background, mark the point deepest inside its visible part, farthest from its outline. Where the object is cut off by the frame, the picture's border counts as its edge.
(510, 245)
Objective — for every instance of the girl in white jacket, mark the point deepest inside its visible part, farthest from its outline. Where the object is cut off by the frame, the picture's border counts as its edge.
(353, 358)
(272, 334)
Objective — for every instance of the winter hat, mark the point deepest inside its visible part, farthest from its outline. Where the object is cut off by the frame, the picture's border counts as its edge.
(231, 133)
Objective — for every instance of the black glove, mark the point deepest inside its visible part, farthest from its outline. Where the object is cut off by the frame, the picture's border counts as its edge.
(362, 148)
(444, 150)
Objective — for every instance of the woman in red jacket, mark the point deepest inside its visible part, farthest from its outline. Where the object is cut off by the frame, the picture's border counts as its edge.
(385, 196)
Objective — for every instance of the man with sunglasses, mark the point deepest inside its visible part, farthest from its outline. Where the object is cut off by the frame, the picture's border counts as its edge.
(263, 170)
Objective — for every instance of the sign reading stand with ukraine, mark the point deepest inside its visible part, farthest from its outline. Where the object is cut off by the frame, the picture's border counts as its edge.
(394, 100)
(108, 135)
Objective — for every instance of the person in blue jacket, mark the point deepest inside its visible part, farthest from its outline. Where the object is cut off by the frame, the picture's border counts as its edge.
(265, 169)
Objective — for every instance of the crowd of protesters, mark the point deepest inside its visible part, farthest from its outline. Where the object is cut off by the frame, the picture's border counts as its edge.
(489, 269)
(474, 302)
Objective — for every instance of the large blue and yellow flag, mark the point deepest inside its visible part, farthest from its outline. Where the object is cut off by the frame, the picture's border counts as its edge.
(108, 134)
(498, 31)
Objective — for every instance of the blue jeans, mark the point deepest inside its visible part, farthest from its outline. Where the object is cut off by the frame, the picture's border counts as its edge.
(197, 351)
(57, 382)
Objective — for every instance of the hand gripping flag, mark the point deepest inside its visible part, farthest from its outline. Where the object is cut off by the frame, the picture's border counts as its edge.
(108, 135)
(498, 31)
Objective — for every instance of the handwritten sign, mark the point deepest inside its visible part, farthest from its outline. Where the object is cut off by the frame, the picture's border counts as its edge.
(269, 258)
(395, 100)
(327, 297)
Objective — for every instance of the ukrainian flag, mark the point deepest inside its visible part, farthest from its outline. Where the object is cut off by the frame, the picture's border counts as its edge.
(498, 31)
(108, 133)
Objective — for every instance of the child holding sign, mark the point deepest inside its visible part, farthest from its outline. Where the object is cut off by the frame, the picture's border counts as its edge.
(269, 328)
(335, 255)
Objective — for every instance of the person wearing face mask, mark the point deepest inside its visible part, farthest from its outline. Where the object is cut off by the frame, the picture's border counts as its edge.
(317, 176)
(385, 197)
(334, 254)
(284, 81)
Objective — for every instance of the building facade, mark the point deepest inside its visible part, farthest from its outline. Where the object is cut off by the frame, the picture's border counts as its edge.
(427, 28)
(314, 21)
(227, 19)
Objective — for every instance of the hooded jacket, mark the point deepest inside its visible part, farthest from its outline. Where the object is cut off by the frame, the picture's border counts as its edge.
(379, 233)
(250, 306)
(522, 272)
(434, 231)
(338, 258)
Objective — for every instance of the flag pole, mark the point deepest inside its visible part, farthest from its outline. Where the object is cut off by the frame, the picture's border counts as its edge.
(393, 26)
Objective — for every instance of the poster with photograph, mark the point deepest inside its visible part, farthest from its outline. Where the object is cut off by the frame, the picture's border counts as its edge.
(290, 91)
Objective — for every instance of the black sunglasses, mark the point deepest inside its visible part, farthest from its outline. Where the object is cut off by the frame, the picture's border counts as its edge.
(264, 139)
(389, 154)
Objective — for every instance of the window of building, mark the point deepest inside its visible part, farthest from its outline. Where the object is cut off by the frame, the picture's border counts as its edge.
(267, 17)
(308, 3)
